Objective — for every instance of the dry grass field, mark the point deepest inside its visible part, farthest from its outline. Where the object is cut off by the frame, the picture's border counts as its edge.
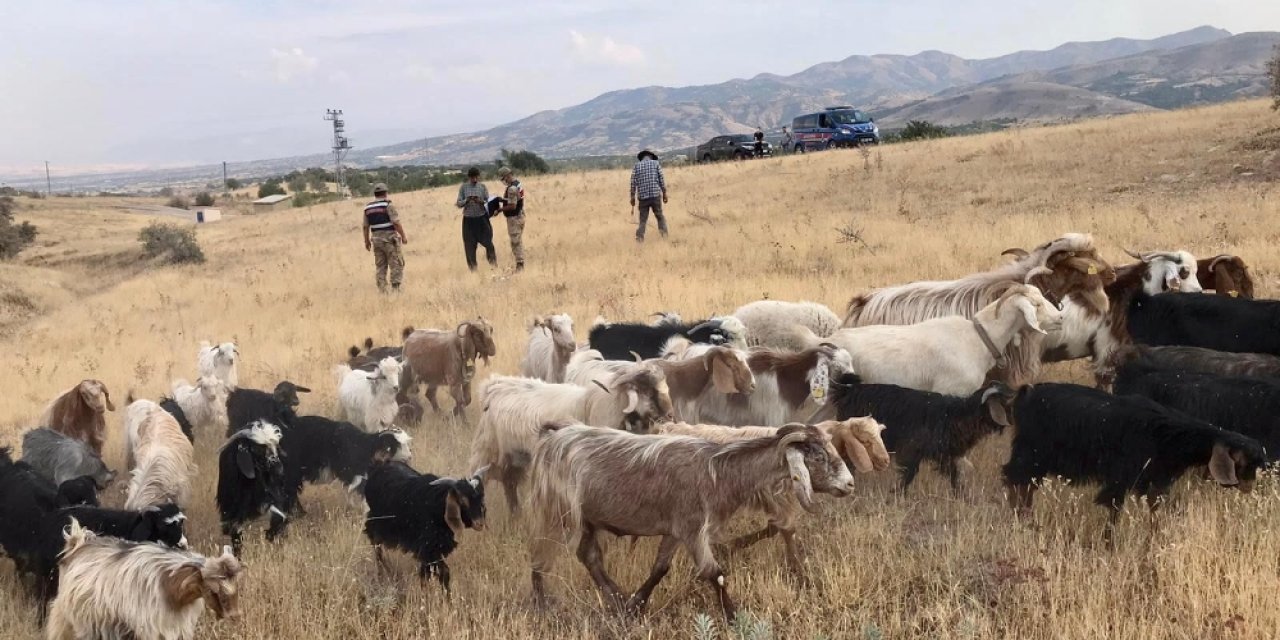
(295, 289)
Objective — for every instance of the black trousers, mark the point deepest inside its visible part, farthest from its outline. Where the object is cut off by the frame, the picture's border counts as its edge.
(478, 231)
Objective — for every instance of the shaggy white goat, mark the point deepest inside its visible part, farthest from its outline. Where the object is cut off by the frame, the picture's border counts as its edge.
(219, 362)
(165, 459)
(771, 323)
(204, 404)
(949, 355)
(110, 588)
(368, 398)
(550, 346)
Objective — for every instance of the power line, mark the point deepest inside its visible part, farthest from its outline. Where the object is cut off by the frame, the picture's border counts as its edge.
(341, 145)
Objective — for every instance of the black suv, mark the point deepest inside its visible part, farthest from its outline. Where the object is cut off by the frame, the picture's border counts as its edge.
(732, 147)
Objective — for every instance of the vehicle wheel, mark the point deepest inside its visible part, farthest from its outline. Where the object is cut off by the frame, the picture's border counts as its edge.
(798, 149)
(706, 157)
(831, 144)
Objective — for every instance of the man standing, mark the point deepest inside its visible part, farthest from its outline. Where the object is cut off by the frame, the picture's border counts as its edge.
(788, 141)
(476, 229)
(650, 187)
(514, 212)
(383, 235)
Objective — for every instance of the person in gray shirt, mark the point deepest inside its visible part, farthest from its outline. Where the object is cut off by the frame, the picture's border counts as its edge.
(472, 196)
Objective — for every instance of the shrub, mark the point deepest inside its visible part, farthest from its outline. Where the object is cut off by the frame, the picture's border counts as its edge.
(922, 130)
(204, 199)
(270, 188)
(13, 237)
(1273, 70)
(178, 202)
(523, 162)
(233, 184)
(175, 245)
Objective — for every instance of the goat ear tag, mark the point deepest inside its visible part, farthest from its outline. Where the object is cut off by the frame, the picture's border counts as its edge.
(818, 388)
(1093, 270)
(1234, 294)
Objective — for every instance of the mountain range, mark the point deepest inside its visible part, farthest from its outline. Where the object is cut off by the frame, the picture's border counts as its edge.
(1074, 80)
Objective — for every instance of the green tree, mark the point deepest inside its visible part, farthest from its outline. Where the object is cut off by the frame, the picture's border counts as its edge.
(13, 237)
(270, 188)
(922, 130)
(233, 184)
(524, 162)
(204, 199)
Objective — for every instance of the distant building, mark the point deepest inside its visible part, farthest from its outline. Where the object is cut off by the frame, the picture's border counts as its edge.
(206, 214)
(271, 203)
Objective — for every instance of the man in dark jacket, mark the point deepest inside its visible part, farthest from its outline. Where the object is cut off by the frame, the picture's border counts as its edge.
(472, 197)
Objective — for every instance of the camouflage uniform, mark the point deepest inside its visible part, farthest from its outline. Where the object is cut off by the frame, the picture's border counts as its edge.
(515, 219)
(381, 218)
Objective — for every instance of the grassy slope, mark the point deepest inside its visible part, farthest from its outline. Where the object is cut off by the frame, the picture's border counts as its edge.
(295, 289)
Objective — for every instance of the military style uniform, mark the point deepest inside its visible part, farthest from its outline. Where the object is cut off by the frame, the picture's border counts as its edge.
(515, 221)
(381, 218)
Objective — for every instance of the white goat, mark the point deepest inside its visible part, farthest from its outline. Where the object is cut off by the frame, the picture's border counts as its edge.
(950, 355)
(368, 398)
(219, 362)
(771, 323)
(165, 459)
(550, 346)
(110, 588)
(204, 404)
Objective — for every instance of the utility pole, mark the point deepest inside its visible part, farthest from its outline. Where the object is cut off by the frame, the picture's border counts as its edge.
(341, 145)
(224, 175)
(48, 182)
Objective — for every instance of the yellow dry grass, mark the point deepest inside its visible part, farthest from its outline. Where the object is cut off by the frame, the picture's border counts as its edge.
(295, 289)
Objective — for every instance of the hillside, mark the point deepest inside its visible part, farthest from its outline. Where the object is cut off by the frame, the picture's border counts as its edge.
(1029, 101)
(295, 289)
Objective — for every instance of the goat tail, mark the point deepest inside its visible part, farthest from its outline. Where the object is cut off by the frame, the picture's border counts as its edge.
(856, 305)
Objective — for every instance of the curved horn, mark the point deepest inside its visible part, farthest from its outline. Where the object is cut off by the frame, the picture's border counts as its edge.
(1015, 252)
(636, 356)
(601, 385)
(700, 326)
(633, 401)
(1145, 257)
(802, 484)
(795, 437)
(1038, 271)
(1218, 259)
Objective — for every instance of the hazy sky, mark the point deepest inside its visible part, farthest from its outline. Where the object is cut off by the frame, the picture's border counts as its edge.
(180, 81)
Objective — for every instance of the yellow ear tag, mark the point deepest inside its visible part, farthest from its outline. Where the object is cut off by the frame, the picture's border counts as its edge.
(1093, 270)
(819, 393)
(1233, 294)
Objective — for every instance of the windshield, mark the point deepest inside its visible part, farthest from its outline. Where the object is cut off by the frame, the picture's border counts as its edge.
(848, 116)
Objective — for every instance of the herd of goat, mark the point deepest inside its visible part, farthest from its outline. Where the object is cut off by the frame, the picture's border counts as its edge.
(665, 429)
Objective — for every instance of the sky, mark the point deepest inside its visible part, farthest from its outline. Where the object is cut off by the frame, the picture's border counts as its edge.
(170, 82)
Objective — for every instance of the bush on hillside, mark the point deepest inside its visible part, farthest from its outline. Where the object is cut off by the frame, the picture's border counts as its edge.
(270, 188)
(523, 162)
(204, 199)
(13, 237)
(233, 184)
(1273, 70)
(172, 244)
(178, 202)
(922, 130)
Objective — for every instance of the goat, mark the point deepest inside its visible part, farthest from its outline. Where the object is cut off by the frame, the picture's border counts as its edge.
(316, 450)
(1223, 363)
(219, 362)
(1095, 335)
(449, 358)
(690, 374)
(1124, 443)
(251, 481)
(588, 480)
(25, 498)
(628, 341)
(1226, 274)
(175, 410)
(551, 344)
(771, 323)
(421, 514)
(165, 459)
(1250, 406)
(59, 458)
(367, 359)
(921, 425)
(1067, 268)
(203, 404)
(516, 408)
(80, 413)
(1222, 323)
(950, 355)
(857, 441)
(368, 399)
(246, 406)
(115, 588)
(789, 386)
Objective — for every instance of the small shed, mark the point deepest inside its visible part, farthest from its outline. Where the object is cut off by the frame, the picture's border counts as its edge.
(206, 214)
(271, 203)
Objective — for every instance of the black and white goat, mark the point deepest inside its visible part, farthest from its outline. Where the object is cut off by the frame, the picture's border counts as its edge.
(245, 406)
(421, 514)
(629, 341)
(251, 481)
(317, 450)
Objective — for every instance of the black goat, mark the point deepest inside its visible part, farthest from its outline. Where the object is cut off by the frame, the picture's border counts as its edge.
(1222, 323)
(421, 514)
(1124, 443)
(251, 481)
(318, 449)
(245, 406)
(627, 341)
(921, 425)
(1199, 359)
(1250, 406)
(170, 405)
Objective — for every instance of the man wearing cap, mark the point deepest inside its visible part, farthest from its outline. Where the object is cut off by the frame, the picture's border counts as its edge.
(383, 235)
(472, 196)
(650, 187)
(514, 212)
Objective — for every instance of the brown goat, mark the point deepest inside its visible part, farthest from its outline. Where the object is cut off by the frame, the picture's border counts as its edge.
(80, 413)
(448, 358)
(588, 480)
(1226, 274)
